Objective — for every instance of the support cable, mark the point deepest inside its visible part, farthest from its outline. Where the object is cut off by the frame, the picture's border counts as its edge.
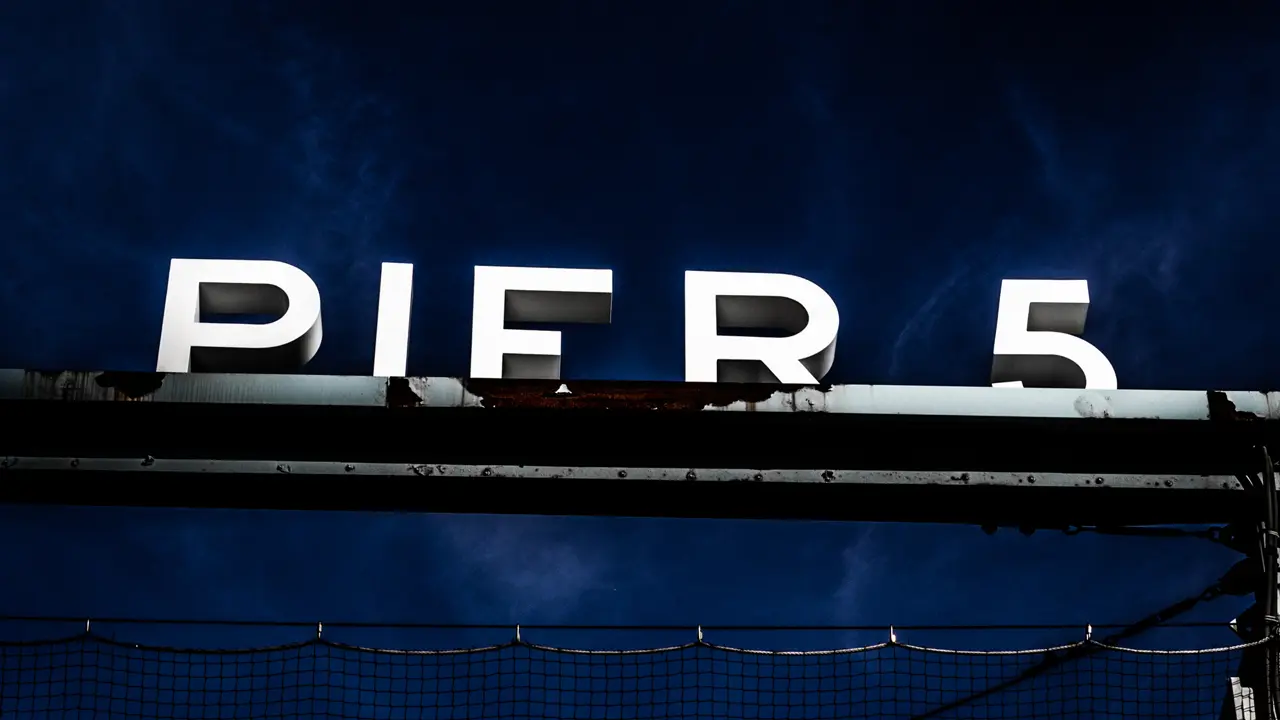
(1052, 661)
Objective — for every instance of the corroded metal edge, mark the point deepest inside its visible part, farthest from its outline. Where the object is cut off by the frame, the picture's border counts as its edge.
(989, 499)
(447, 392)
(427, 471)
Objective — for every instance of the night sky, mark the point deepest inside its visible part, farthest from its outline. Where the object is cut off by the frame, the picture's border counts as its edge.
(904, 156)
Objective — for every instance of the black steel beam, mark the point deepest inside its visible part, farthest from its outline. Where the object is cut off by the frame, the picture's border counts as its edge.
(1124, 470)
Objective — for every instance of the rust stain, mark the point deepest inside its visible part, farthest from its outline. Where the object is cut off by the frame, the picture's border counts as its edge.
(1221, 409)
(595, 394)
(399, 394)
(131, 385)
(46, 385)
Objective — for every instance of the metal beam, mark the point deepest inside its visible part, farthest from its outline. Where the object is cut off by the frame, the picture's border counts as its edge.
(1003, 456)
(1007, 499)
(448, 392)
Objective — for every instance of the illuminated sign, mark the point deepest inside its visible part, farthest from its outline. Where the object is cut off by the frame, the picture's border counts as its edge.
(1036, 340)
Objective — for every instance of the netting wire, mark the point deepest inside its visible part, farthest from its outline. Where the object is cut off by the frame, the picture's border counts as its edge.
(89, 676)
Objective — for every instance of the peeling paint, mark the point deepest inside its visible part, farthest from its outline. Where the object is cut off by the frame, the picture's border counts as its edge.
(131, 385)
(1222, 409)
(67, 386)
(782, 399)
(617, 395)
(401, 394)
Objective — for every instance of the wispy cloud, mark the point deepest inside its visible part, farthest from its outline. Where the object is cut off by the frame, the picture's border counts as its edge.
(522, 567)
(859, 561)
(921, 323)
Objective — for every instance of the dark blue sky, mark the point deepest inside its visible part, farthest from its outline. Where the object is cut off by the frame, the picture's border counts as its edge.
(904, 156)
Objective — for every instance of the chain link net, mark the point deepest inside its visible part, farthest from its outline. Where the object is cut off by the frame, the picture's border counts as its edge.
(88, 676)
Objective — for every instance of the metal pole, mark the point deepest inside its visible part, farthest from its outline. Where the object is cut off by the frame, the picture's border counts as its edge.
(1255, 691)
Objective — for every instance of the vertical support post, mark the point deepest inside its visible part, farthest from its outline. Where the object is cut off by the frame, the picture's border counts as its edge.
(1264, 689)
(1253, 693)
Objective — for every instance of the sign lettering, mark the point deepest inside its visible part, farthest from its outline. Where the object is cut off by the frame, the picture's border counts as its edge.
(1037, 341)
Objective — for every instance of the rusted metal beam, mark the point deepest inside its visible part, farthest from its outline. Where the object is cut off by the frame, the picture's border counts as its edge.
(448, 392)
(688, 429)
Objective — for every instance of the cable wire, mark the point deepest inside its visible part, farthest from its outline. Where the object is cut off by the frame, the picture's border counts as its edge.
(1053, 660)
